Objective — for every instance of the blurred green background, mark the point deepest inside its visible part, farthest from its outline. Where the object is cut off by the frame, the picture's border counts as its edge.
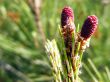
(26, 24)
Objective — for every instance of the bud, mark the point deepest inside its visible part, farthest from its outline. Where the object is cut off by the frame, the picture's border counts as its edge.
(66, 16)
(89, 27)
(68, 28)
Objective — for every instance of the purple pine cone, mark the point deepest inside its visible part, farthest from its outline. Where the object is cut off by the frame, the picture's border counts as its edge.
(89, 27)
(67, 14)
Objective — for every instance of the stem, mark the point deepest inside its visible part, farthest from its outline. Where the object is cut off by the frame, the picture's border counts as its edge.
(77, 46)
(79, 62)
(71, 70)
(67, 60)
(81, 54)
(75, 60)
(68, 68)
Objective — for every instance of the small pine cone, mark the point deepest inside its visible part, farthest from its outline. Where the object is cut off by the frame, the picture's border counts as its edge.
(68, 28)
(89, 27)
(66, 16)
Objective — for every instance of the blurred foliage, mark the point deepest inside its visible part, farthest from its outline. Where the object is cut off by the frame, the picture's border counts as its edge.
(22, 54)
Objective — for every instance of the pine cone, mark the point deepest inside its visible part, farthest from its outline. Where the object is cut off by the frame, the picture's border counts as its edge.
(89, 27)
